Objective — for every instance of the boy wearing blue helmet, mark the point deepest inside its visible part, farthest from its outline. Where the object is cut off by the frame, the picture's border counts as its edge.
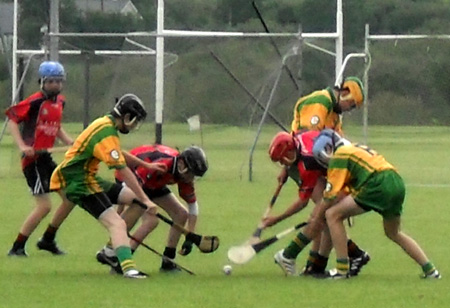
(35, 123)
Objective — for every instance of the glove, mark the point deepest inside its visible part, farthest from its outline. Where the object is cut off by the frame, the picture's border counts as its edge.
(186, 248)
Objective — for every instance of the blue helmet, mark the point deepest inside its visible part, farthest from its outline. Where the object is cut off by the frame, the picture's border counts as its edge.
(49, 69)
(326, 144)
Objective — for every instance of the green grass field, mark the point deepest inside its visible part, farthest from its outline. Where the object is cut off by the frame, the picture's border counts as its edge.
(230, 207)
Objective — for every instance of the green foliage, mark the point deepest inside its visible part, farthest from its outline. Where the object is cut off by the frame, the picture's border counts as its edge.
(415, 74)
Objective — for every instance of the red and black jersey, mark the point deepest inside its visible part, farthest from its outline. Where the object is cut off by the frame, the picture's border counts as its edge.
(307, 167)
(152, 179)
(40, 120)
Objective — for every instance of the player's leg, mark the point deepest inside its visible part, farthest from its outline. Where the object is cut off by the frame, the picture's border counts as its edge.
(286, 257)
(122, 195)
(179, 215)
(409, 245)
(316, 263)
(335, 217)
(47, 241)
(37, 177)
(99, 206)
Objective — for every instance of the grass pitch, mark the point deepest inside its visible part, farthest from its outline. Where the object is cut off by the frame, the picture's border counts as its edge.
(230, 207)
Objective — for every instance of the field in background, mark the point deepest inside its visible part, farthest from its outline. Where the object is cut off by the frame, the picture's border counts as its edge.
(230, 207)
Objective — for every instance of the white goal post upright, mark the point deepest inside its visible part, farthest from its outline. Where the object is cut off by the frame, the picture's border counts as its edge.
(161, 33)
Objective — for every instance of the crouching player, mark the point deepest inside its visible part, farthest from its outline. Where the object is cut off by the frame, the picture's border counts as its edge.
(374, 185)
(182, 168)
(295, 154)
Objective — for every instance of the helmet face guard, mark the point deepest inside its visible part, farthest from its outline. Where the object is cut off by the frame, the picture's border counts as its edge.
(131, 110)
(195, 160)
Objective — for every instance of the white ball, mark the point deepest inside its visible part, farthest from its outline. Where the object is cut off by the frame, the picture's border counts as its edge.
(227, 269)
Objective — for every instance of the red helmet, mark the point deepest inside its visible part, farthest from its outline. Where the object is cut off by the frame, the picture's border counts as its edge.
(280, 145)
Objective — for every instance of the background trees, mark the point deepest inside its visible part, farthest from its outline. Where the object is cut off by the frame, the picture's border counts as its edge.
(410, 78)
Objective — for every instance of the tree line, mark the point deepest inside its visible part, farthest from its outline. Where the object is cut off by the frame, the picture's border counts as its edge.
(410, 78)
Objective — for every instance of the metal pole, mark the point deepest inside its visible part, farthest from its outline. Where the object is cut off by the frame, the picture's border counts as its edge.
(366, 86)
(87, 75)
(159, 90)
(54, 28)
(14, 53)
(266, 110)
(339, 40)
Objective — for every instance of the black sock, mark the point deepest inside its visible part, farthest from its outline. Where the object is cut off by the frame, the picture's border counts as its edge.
(50, 233)
(170, 252)
(20, 241)
(353, 250)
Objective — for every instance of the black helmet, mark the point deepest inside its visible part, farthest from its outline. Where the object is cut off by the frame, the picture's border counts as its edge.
(131, 110)
(195, 159)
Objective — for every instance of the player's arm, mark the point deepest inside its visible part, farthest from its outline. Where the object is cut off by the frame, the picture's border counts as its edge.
(133, 162)
(130, 180)
(187, 193)
(15, 133)
(295, 207)
(64, 137)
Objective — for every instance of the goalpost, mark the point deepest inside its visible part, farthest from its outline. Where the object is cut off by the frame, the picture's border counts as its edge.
(162, 33)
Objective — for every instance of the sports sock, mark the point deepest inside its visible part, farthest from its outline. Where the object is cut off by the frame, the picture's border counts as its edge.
(342, 265)
(428, 267)
(124, 255)
(312, 258)
(320, 263)
(20, 241)
(50, 233)
(170, 252)
(109, 251)
(296, 246)
(353, 250)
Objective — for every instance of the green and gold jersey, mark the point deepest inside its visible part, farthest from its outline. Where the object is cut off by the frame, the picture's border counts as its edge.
(315, 112)
(350, 167)
(99, 142)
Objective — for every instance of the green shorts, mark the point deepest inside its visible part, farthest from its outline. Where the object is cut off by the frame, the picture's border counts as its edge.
(78, 189)
(384, 193)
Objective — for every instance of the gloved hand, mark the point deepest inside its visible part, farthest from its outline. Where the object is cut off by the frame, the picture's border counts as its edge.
(186, 248)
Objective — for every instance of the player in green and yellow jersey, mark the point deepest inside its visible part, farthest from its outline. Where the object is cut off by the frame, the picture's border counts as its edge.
(314, 112)
(373, 185)
(77, 175)
(322, 109)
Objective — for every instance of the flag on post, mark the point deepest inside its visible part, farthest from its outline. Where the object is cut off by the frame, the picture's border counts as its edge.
(194, 123)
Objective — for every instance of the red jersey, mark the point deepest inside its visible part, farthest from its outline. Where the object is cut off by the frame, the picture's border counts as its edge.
(306, 170)
(152, 179)
(40, 120)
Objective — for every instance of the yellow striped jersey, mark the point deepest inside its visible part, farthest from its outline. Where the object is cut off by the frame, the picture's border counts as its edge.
(350, 167)
(99, 142)
(315, 112)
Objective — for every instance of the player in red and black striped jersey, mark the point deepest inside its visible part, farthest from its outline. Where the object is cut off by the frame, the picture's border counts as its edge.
(35, 124)
(182, 168)
(295, 153)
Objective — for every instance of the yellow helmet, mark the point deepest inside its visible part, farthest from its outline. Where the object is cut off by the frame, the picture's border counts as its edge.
(355, 86)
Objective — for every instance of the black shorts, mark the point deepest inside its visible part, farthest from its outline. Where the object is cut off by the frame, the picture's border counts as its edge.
(38, 174)
(156, 193)
(96, 204)
(153, 193)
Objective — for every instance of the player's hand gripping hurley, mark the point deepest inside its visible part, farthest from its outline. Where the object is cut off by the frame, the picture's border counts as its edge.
(205, 244)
